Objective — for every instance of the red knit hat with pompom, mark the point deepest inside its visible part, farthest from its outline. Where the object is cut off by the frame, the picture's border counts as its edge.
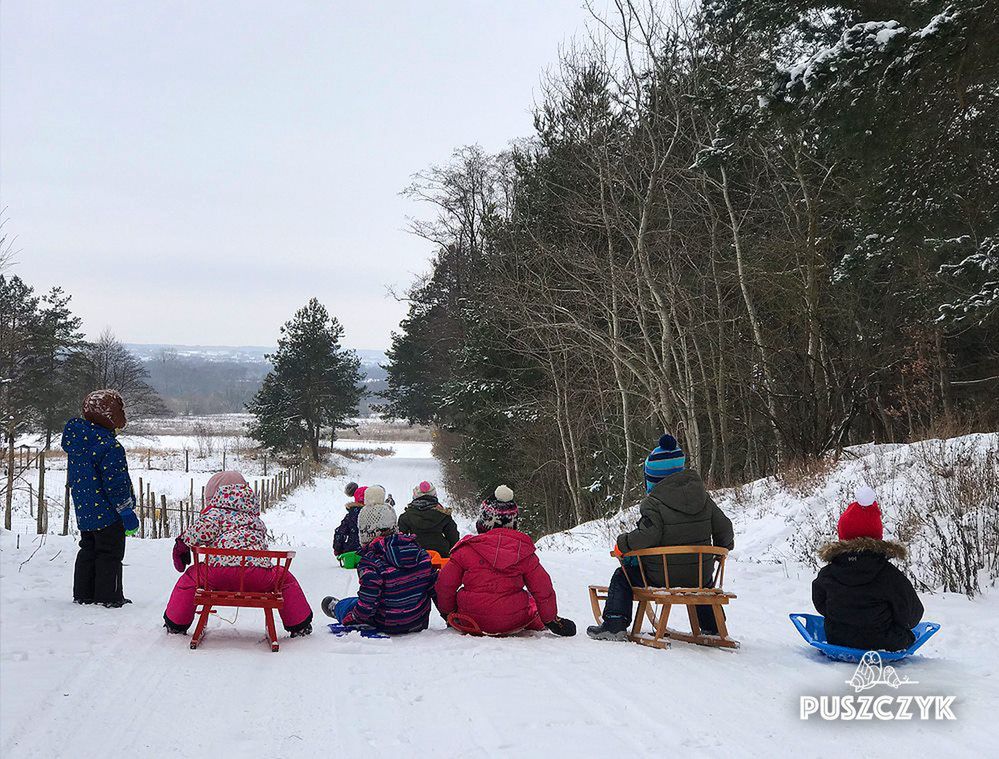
(862, 518)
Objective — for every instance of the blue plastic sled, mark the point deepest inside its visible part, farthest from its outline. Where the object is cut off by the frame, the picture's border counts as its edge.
(366, 632)
(813, 629)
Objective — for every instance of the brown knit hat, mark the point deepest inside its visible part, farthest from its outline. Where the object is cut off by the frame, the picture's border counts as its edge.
(106, 408)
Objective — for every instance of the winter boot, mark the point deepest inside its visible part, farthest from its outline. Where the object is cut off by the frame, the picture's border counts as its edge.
(117, 604)
(83, 601)
(302, 629)
(327, 605)
(172, 628)
(611, 629)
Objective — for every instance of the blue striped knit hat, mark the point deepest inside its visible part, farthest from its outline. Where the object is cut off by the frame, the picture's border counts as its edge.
(666, 459)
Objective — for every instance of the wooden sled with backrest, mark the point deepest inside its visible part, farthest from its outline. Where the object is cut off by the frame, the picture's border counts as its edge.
(206, 598)
(656, 603)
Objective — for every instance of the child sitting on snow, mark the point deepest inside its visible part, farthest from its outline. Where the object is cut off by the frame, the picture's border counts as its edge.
(866, 601)
(231, 519)
(495, 580)
(427, 521)
(395, 575)
(345, 539)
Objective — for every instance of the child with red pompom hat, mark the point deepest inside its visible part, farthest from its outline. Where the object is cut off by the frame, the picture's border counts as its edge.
(866, 600)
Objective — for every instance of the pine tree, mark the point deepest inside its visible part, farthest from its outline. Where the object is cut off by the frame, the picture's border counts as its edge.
(59, 343)
(19, 319)
(315, 383)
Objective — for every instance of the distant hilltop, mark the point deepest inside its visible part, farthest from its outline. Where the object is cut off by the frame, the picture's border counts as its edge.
(235, 353)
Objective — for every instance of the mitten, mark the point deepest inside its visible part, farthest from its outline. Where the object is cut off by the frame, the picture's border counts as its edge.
(617, 551)
(562, 626)
(130, 521)
(181, 555)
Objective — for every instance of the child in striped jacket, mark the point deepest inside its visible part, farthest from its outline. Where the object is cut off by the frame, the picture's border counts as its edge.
(395, 574)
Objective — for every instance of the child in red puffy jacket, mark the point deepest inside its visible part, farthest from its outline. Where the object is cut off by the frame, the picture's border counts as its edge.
(495, 580)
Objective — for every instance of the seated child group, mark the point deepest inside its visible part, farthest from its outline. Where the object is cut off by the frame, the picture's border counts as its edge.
(490, 583)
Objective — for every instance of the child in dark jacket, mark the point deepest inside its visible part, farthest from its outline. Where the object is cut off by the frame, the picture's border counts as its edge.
(427, 521)
(103, 498)
(345, 536)
(678, 511)
(495, 579)
(395, 575)
(866, 601)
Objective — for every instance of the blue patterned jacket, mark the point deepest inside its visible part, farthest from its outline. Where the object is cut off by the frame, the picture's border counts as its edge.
(97, 474)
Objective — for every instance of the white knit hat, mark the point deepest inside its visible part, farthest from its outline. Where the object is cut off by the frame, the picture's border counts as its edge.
(374, 520)
(374, 495)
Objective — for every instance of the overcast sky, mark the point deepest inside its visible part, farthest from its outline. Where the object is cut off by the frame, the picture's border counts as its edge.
(193, 172)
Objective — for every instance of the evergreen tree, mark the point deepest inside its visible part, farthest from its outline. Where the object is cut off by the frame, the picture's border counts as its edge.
(59, 344)
(19, 324)
(315, 383)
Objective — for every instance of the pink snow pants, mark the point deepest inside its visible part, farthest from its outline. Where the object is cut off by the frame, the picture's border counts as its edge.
(180, 608)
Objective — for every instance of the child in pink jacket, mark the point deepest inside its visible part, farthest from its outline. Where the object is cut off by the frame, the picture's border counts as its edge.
(495, 579)
(231, 519)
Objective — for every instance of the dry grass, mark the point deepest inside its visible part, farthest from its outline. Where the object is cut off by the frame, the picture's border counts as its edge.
(803, 476)
(381, 430)
(360, 454)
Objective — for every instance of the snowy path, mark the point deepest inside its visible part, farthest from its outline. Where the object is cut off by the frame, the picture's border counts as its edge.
(85, 682)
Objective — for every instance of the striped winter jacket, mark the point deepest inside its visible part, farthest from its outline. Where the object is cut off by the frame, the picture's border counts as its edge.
(396, 585)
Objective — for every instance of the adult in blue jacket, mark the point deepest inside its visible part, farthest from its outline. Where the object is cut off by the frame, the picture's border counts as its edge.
(103, 498)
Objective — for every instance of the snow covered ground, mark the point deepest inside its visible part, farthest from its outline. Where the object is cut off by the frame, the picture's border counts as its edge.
(86, 682)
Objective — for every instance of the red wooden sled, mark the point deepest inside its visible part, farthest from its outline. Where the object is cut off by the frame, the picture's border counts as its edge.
(465, 624)
(207, 598)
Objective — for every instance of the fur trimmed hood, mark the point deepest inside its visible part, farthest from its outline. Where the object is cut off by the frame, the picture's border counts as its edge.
(887, 548)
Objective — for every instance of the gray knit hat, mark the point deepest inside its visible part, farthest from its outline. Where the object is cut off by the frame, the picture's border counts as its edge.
(376, 518)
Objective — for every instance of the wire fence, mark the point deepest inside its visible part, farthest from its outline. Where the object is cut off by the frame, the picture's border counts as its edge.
(159, 515)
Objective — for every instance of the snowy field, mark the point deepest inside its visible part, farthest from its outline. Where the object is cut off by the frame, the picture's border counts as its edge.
(86, 682)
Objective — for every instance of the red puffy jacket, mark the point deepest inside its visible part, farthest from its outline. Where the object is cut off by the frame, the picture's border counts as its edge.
(486, 578)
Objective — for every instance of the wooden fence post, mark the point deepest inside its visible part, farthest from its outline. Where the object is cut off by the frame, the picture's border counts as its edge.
(9, 495)
(65, 511)
(142, 511)
(154, 517)
(166, 519)
(31, 499)
(187, 460)
(43, 513)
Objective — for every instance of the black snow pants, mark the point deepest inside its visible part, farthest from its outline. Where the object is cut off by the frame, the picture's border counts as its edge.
(97, 576)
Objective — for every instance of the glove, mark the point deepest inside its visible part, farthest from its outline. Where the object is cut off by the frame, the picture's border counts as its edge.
(181, 555)
(563, 627)
(130, 521)
(617, 553)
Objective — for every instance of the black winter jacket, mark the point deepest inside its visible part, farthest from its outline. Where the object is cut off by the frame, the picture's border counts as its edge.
(866, 601)
(345, 538)
(678, 512)
(433, 527)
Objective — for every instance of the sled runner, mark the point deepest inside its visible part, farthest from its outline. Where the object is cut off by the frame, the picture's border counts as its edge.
(813, 629)
(465, 624)
(342, 631)
(656, 603)
(208, 598)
